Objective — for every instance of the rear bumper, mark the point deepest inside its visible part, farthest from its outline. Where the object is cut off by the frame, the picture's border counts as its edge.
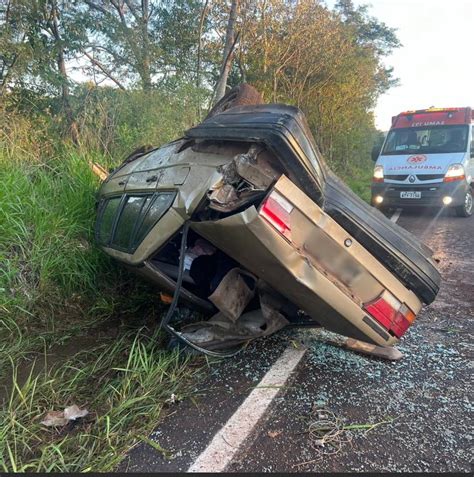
(431, 194)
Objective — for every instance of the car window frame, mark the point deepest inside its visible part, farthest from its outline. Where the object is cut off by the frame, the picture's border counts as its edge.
(133, 244)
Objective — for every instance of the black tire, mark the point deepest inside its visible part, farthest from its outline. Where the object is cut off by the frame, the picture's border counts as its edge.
(466, 209)
(240, 95)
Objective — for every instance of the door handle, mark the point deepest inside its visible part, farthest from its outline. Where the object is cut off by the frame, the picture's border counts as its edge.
(151, 179)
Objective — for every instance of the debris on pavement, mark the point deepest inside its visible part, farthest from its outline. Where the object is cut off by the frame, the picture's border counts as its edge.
(328, 433)
(391, 354)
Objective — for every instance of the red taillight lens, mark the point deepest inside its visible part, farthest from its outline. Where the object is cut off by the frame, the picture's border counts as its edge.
(400, 325)
(382, 311)
(276, 210)
(390, 313)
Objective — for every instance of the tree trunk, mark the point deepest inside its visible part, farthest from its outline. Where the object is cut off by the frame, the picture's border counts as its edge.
(65, 97)
(146, 75)
(228, 50)
(201, 26)
(198, 60)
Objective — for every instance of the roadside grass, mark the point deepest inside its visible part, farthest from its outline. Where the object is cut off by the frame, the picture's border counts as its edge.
(123, 383)
(359, 181)
(55, 288)
(48, 265)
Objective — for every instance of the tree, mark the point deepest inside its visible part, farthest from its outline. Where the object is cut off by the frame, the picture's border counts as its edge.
(40, 36)
(122, 40)
(326, 62)
(230, 40)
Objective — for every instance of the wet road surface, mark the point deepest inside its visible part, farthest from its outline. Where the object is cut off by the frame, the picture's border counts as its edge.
(422, 404)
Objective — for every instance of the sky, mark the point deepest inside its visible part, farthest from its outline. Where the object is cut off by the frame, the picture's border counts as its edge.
(435, 65)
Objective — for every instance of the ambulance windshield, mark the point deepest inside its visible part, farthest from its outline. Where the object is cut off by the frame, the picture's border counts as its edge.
(433, 139)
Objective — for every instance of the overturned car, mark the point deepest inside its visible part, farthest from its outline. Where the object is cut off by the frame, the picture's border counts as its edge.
(242, 220)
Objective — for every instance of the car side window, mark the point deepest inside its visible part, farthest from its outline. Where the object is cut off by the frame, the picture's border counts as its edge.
(107, 217)
(161, 203)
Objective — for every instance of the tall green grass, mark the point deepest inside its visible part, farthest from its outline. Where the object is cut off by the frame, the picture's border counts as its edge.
(45, 224)
(49, 266)
(55, 285)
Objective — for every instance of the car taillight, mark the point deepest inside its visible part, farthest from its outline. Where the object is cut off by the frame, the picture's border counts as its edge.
(390, 313)
(455, 172)
(276, 210)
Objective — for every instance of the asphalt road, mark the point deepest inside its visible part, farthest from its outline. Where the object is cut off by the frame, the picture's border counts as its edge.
(421, 405)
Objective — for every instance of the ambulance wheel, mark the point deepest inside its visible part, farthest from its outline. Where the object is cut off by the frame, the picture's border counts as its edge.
(465, 210)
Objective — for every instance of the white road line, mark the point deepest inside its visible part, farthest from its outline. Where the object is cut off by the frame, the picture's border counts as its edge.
(396, 215)
(228, 440)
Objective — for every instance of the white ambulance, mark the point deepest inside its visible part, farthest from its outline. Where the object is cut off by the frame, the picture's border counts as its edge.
(426, 159)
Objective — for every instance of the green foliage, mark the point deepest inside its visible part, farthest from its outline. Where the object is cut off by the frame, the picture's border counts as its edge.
(45, 228)
(359, 181)
(34, 34)
(116, 122)
(327, 63)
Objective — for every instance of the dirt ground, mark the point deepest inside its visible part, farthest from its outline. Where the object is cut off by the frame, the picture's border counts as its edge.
(423, 403)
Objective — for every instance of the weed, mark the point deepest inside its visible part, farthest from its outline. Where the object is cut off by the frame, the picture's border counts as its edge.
(124, 384)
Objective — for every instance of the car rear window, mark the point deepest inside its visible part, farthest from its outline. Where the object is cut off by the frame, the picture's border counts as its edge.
(125, 221)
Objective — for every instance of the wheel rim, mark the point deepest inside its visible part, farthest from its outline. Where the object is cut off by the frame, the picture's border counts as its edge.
(468, 202)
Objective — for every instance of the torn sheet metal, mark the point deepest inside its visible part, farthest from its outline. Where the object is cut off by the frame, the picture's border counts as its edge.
(256, 168)
(223, 332)
(234, 293)
(244, 179)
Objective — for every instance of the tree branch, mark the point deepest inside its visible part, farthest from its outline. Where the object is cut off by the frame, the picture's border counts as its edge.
(103, 69)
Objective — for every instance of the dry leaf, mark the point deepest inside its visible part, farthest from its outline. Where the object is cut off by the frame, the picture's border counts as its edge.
(273, 434)
(74, 412)
(61, 418)
(54, 419)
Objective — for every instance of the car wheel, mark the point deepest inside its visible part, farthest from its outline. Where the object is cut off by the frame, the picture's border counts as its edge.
(465, 210)
(240, 95)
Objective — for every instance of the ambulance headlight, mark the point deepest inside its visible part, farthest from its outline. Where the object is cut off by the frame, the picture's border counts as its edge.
(455, 172)
(378, 199)
(378, 174)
